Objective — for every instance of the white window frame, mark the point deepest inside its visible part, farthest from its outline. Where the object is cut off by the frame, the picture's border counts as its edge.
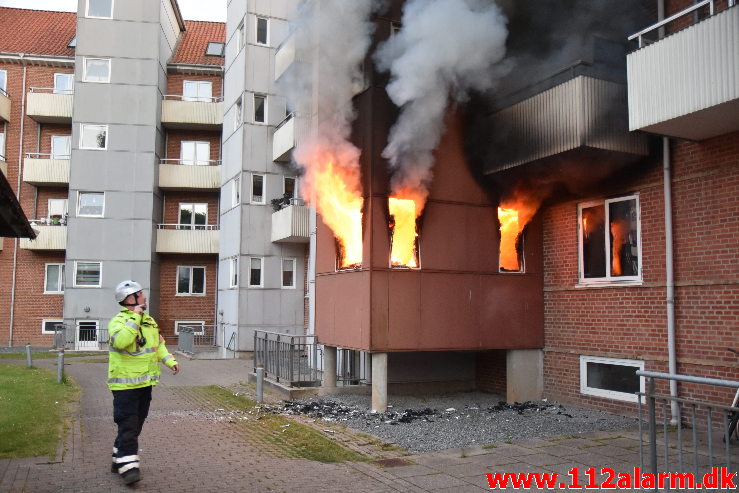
(76, 269)
(265, 107)
(68, 139)
(240, 37)
(261, 273)
(58, 90)
(264, 190)
(79, 204)
(238, 113)
(198, 98)
(233, 274)
(4, 82)
(191, 225)
(608, 394)
(256, 31)
(177, 324)
(608, 279)
(2, 143)
(87, 11)
(236, 191)
(198, 147)
(282, 272)
(220, 53)
(82, 136)
(296, 192)
(84, 70)
(65, 208)
(190, 292)
(50, 320)
(60, 277)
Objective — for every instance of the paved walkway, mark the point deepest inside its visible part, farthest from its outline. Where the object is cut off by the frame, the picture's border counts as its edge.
(183, 450)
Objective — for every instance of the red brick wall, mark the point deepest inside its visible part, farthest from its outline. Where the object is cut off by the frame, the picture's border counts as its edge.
(175, 138)
(173, 307)
(175, 83)
(630, 322)
(172, 202)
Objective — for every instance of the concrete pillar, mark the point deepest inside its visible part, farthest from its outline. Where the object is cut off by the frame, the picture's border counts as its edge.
(379, 382)
(524, 375)
(329, 367)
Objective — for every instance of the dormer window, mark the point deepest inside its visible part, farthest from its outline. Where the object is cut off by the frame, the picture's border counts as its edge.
(215, 48)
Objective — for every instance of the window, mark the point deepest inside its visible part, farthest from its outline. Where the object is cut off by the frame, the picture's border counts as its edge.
(73, 42)
(87, 334)
(257, 189)
(57, 211)
(197, 325)
(61, 146)
(288, 273)
(3, 82)
(255, 272)
(63, 83)
(395, 28)
(54, 280)
(610, 378)
(190, 280)
(93, 136)
(234, 272)
(262, 31)
(197, 90)
(195, 152)
(2, 146)
(612, 253)
(214, 48)
(260, 108)
(51, 325)
(91, 204)
(96, 70)
(238, 113)
(100, 8)
(193, 216)
(240, 36)
(87, 274)
(290, 187)
(236, 191)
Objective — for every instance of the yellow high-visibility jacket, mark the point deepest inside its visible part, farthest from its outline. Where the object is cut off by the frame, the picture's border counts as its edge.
(131, 366)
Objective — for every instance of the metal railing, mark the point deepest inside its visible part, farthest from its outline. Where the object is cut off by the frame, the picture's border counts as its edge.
(52, 90)
(209, 227)
(194, 338)
(293, 360)
(698, 439)
(4, 92)
(711, 9)
(191, 162)
(44, 155)
(49, 221)
(192, 99)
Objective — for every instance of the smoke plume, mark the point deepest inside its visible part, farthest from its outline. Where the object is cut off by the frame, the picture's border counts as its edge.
(444, 50)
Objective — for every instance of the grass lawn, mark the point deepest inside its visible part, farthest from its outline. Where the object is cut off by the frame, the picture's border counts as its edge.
(32, 411)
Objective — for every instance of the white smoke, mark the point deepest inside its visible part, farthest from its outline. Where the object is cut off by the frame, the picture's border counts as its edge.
(444, 49)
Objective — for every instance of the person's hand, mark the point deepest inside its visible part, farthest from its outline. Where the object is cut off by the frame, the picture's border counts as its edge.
(175, 369)
(139, 309)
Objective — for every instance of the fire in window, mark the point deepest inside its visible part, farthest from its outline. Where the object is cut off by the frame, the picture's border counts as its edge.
(609, 240)
(403, 233)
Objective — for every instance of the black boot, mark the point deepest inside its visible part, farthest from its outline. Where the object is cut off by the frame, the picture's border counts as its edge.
(131, 476)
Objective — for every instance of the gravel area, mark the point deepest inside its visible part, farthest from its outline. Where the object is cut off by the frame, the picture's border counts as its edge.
(439, 422)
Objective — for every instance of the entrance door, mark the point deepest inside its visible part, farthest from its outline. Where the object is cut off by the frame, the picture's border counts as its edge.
(87, 334)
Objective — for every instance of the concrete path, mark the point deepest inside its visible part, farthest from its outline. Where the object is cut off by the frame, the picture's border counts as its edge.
(182, 450)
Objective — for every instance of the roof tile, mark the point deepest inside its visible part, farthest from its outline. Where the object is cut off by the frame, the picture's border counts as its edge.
(191, 48)
(37, 32)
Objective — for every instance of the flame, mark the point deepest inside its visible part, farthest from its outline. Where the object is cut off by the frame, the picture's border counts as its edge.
(404, 232)
(618, 232)
(513, 216)
(334, 190)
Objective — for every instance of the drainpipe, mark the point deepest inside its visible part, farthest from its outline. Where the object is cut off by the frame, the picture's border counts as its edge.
(18, 193)
(670, 277)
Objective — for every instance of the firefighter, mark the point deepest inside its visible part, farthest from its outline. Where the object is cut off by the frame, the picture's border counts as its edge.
(136, 348)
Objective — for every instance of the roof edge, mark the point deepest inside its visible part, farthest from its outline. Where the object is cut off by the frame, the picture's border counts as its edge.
(178, 14)
(180, 68)
(30, 58)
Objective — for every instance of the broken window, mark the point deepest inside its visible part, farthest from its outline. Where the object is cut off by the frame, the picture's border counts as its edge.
(609, 240)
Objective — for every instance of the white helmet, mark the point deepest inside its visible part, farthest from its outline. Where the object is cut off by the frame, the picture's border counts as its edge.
(126, 288)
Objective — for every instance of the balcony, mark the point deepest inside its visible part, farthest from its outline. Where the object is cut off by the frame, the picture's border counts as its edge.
(290, 224)
(205, 114)
(175, 174)
(48, 237)
(686, 85)
(47, 105)
(4, 106)
(285, 56)
(180, 238)
(43, 170)
(287, 135)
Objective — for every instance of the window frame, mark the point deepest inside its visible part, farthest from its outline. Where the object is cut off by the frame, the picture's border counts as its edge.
(79, 204)
(294, 270)
(240, 37)
(285, 178)
(213, 43)
(264, 109)
(261, 273)
(192, 226)
(233, 274)
(63, 91)
(256, 31)
(76, 273)
(236, 192)
(60, 277)
(264, 190)
(50, 320)
(238, 113)
(190, 292)
(609, 394)
(196, 161)
(198, 98)
(82, 137)
(65, 212)
(177, 324)
(87, 11)
(84, 70)
(582, 281)
(3, 140)
(4, 82)
(68, 138)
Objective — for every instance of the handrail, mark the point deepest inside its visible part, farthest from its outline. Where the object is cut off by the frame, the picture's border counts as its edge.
(43, 155)
(189, 227)
(194, 162)
(666, 21)
(2, 157)
(53, 90)
(4, 92)
(287, 118)
(689, 378)
(45, 221)
(195, 99)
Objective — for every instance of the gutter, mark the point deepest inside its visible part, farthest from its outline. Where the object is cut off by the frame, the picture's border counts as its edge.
(25, 59)
(190, 68)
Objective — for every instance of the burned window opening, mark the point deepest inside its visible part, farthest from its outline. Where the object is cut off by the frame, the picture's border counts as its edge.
(510, 251)
(518, 247)
(341, 258)
(407, 260)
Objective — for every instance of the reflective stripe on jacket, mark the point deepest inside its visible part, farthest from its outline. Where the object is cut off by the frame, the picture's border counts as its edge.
(131, 366)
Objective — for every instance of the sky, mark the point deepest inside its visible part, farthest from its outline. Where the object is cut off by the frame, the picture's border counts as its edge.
(196, 10)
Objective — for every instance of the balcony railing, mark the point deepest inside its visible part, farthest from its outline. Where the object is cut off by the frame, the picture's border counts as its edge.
(187, 238)
(283, 140)
(46, 169)
(4, 105)
(202, 113)
(683, 85)
(50, 105)
(51, 235)
(178, 174)
(291, 224)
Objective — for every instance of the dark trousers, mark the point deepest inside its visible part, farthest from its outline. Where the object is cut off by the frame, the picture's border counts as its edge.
(130, 409)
